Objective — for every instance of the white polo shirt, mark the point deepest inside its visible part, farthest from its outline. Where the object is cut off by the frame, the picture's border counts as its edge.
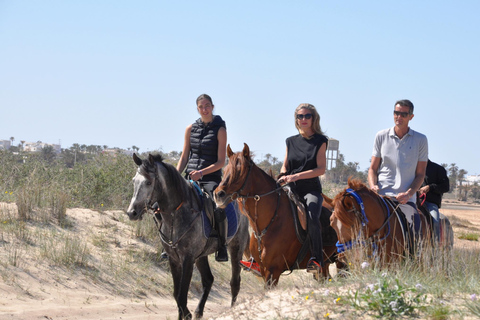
(399, 158)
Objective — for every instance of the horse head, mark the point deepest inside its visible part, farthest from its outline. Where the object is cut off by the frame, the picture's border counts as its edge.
(235, 176)
(155, 182)
(143, 186)
(345, 218)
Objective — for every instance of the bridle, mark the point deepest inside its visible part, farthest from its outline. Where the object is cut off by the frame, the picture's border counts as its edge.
(238, 196)
(168, 240)
(360, 214)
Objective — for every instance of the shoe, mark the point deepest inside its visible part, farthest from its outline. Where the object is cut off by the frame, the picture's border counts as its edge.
(251, 266)
(221, 255)
(313, 266)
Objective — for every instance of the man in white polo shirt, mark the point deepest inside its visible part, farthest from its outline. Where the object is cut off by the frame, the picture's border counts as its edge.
(399, 161)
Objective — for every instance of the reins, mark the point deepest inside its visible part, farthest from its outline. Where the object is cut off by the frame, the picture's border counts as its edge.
(342, 247)
(169, 240)
(238, 196)
(256, 197)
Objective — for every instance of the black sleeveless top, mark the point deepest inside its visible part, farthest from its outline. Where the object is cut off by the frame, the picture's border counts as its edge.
(204, 147)
(302, 156)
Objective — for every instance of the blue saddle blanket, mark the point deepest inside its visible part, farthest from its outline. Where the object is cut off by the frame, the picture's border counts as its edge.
(231, 213)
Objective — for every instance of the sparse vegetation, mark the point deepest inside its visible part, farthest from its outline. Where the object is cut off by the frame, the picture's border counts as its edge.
(37, 231)
(469, 236)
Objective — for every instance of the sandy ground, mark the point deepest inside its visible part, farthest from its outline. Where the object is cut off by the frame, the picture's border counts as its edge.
(40, 292)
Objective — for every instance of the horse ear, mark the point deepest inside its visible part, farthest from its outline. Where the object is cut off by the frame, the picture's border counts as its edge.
(246, 151)
(137, 160)
(229, 151)
(150, 159)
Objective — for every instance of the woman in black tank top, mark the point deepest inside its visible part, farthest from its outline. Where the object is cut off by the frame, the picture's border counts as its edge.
(305, 161)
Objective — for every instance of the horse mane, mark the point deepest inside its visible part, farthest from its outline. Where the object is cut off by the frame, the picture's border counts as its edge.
(341, 212)
(175, 178)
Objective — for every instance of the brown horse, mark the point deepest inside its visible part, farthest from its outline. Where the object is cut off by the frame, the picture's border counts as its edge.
(274, 243)
(363, 218)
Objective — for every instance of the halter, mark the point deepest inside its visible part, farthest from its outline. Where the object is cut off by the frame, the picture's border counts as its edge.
(342, 247)
(169, 240)
(258, 234)
(256, 197)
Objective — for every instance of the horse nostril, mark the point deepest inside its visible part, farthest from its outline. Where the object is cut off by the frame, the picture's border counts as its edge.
(221, 194)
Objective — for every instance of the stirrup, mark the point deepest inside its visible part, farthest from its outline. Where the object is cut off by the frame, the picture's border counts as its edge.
(251, 266)
(313, 266)
(221, 255)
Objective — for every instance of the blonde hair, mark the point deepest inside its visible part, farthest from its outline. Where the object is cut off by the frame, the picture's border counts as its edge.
(315, 117)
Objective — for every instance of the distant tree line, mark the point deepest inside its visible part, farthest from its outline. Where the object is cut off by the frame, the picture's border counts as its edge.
(91, 177)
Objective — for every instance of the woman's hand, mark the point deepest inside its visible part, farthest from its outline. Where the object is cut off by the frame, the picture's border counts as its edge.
(196, 175)
(287, 179)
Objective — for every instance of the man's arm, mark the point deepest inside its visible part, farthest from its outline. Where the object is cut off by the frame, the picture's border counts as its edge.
(373, 173)
(403, 197)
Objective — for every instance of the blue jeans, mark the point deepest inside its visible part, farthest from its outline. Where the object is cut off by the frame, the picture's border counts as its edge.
(433, 209)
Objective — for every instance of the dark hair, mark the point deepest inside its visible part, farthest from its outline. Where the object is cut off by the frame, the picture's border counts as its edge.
(405, 103)
(204, 96)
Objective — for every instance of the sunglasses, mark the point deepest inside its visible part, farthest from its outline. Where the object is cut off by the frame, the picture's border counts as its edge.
(401, 114)
(306, 116)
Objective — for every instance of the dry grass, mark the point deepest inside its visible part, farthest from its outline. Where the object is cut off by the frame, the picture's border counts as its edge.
(99, 260)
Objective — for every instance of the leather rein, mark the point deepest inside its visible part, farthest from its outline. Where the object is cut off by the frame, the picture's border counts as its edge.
(238, 196)
(360, 214)
(165, 239)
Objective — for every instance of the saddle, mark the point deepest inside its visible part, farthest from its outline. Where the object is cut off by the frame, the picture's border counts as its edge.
(210, 225)
(207, 204)
(411, 233)
(299, 212)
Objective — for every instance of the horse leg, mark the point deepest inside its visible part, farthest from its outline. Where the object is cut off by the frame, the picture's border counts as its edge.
(207, 281)
(271, 277)
(236, 256)
(182, 275)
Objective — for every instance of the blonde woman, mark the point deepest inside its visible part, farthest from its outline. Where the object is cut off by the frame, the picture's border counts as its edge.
(305, 161)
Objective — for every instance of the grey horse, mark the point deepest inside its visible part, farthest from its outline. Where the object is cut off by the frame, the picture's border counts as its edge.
(181, 229)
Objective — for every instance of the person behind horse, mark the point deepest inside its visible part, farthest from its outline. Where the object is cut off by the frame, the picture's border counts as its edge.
(435, 184)
(203, 156)
(399, 160)
(305, 161)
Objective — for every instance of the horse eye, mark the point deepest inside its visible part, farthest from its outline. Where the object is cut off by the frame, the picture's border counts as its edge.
(149, 183)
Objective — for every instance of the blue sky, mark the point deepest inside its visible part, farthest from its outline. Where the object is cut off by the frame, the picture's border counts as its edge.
(124, 73)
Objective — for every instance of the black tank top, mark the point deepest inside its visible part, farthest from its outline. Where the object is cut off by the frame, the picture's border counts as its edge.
(302, 156)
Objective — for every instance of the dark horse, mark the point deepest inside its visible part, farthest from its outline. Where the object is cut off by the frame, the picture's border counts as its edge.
(182, 229)
(274, 242)
(363, 218)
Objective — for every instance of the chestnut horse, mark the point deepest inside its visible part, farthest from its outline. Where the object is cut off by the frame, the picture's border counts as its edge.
(274, 243)
(363, 218)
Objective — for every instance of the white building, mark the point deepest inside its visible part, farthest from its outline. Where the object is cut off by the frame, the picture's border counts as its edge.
(471, 180)
(38, 146)
(5, 144)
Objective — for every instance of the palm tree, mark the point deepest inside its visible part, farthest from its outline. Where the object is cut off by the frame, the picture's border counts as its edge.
(13, 139)
(461, 177)
(268, 156)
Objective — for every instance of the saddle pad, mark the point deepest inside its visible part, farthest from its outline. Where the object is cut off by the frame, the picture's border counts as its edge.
(231, 214)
